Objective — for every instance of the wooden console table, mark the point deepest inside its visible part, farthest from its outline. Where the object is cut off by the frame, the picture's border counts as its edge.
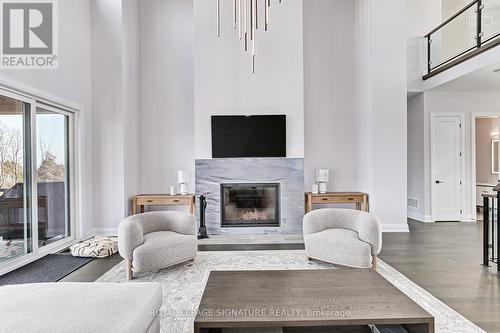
(142, 200)
(358, 198)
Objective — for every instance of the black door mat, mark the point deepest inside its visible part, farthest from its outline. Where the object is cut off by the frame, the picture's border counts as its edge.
(50, 268)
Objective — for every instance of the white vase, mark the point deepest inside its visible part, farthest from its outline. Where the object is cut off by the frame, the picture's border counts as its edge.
(182, 176)
(322, 175)
(315, 189)
(322, 188)
(173, 190)
(184, 189)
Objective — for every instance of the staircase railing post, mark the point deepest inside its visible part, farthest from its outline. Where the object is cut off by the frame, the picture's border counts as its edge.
(479, 16)
(486, 227)
(497, 261)
(429, 54)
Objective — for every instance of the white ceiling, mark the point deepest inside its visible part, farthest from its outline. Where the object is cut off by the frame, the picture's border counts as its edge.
(483, 79)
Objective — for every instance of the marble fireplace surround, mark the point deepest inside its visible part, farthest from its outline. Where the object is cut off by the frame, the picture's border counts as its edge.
(288, 172)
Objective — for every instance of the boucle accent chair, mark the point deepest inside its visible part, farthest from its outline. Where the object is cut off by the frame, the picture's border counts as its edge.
(156, 240)
(343, 236)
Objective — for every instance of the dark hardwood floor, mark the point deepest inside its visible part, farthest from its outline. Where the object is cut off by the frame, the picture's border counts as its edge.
(93, 270)
(443, 258)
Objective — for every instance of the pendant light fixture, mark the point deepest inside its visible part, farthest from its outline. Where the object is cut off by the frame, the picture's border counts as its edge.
(245, 21)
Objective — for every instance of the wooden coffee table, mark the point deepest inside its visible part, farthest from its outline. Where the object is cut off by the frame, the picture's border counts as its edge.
(306, 298)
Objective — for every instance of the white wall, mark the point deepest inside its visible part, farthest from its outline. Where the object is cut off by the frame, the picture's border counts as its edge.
(224, 83)
(167, 93)
(98, 71)
(450, 7)
(131, 99)
(329, 92)
(381, 97)
(486, 131)
(108, 114)
(423, 16)
(308, 65)
(416, 162)
(468, 103)
(71, 82)
(116, 109)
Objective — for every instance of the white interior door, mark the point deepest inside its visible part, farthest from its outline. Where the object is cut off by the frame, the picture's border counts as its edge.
(446, 168)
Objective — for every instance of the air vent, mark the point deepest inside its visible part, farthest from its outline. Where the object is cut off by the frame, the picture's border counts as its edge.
(413, 203)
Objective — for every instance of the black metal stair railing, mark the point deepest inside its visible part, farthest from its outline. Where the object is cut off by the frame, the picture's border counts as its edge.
(472, 30)
(491, 234)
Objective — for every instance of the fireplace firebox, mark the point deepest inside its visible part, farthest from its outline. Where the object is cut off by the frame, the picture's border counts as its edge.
(250, 205)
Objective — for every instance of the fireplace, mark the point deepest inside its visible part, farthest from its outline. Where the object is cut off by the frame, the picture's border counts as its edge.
(250, 205)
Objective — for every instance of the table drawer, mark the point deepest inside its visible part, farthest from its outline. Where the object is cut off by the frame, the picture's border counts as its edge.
(336, 199)
(163, 201)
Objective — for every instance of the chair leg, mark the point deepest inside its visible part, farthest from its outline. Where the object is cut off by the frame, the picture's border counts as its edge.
(130, 273)
(374, 262)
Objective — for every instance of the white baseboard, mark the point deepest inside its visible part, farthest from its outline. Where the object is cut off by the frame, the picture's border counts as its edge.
(469, 218)
(428, 219)
(399, 227)
(105, 232)
(419, 217)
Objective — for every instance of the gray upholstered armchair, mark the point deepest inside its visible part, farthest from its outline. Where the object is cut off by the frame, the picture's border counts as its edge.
(343, 236)
(156, 240)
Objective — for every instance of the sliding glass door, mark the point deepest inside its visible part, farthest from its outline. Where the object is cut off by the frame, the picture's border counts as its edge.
(15, 189)
(35, 162)
(52, 175)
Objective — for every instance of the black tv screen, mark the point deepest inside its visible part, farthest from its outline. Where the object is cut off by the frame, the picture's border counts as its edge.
(249, 136)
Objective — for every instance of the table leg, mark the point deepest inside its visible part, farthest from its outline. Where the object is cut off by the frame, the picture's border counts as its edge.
(198, 329)
(142, 209)
(364, 206)
(134, 206)
(192, 206)
(419, 328)
(307, 204)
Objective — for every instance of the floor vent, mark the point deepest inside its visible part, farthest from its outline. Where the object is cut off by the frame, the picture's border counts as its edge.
(413, 203)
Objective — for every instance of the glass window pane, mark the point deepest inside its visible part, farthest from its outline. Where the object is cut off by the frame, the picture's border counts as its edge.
(455, 38)
(490, 19)
(15, 218)
(52, 176)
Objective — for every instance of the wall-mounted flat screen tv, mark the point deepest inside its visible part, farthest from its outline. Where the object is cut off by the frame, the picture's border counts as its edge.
(249, 136)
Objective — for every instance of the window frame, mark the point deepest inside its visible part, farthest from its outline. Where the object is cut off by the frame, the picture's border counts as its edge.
(71, 160)
(35, 100)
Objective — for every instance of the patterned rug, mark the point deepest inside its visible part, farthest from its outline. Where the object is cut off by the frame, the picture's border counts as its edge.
(183, 285)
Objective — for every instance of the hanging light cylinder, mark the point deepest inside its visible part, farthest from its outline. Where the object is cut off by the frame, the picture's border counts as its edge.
(245, 17)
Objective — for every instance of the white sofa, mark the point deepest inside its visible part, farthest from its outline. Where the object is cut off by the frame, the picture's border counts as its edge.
(80, 307)
(343, 236)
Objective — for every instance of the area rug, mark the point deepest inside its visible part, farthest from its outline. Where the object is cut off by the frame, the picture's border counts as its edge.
(50, 268)
(183, 285)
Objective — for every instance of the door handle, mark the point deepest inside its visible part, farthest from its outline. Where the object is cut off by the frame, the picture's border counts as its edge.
(439, 182)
